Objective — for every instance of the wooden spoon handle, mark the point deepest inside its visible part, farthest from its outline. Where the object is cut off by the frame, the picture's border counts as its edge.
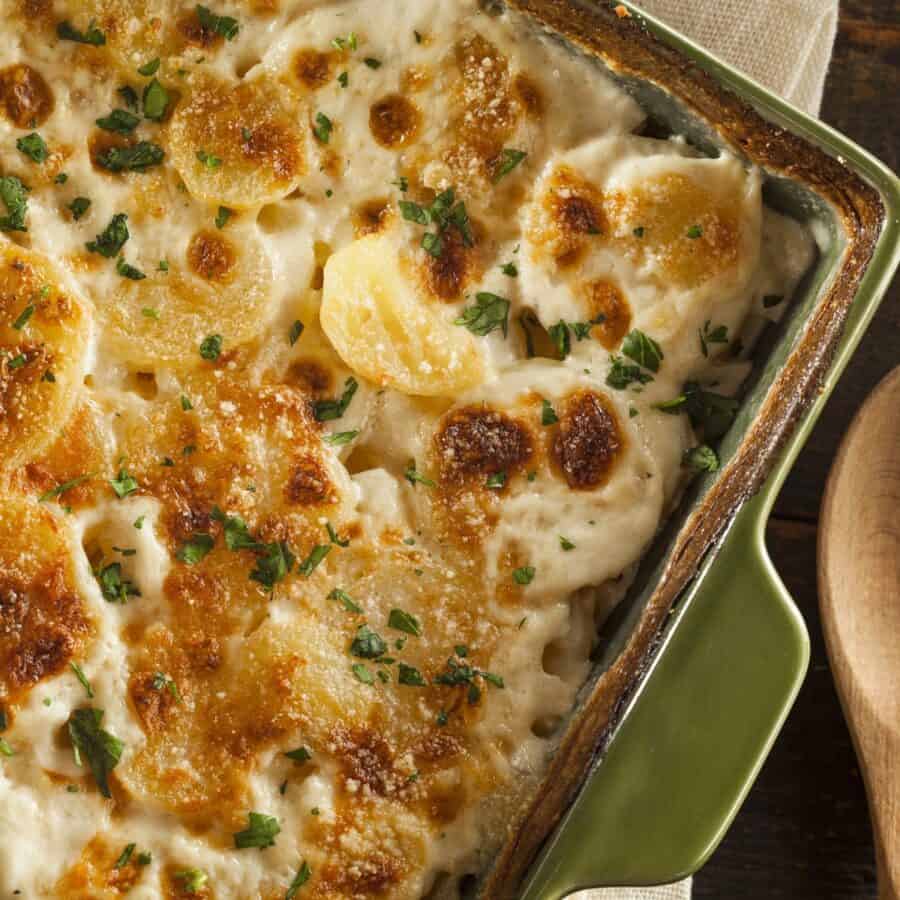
(859, 591)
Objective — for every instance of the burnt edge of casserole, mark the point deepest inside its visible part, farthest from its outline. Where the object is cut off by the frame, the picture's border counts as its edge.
(627, 48)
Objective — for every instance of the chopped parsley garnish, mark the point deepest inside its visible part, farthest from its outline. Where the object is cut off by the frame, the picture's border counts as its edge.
(367, 644)
(621, 374)
(79, 206)
(61, 178)
(771, 300)
(523, 575)
(409, 675)
(273, 565)
(300, 755)
(316, 555)
(639, 231)
(488, 313)
(193, 551)
(222, 217)
(139, 522)
(304, 873)
(14, 195)
(548, 413)
(144, 858)
(404, 621)
(149, 68)
(65, 486)
(119, 121)
(372, 63)
(559, 334)
(148, 312)
(124, 857)
(65, 31)
(339, 438)
(402, 183)
(101, 749)
(417, 36)
(124, 484)
(442, 718)
(186, 404)
(701, 459)
(209, 160)
(496, 481)
(695, 232)
(126, 270)
(708, 410)
(5, 749)
(211, 347)
(323, 128)
(444, 212)
(33, 146)
(348, 602)
(163, 265)
(509, 269)
(348, 43)
(506, 162)
(334, 537)
(111, 240)
(136, 158)
(414, 477)
(643, 350)
(362, 673)
(260, 832)
(155, 101)
(192, 880)
(162, 682)
(328, 410)
(23, 317)
(82, 678)
(295, 332)
(462, 673)
(718, 335)
(113, 587)
(225, 26)
(565, 543)
(344, 79)
(128, 95)
(237, 537)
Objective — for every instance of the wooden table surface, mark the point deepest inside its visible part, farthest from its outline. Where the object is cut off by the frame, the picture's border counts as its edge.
(804, 832)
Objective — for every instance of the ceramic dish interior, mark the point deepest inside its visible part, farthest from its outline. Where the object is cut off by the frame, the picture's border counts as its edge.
(697, 669)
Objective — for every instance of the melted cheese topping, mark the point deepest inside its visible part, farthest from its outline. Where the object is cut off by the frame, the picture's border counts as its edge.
(329, 379)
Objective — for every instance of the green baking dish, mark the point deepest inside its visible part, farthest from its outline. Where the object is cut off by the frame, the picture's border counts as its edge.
(697, 671)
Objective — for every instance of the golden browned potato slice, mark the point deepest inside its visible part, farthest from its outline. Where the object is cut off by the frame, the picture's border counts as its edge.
(387, 331)
(238, 144)
(43, 337)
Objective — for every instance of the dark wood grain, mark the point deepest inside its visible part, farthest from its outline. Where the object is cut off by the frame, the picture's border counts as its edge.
(804, 831)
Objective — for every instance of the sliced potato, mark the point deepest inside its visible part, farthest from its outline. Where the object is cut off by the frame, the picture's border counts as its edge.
(237, 144)
(43, 338)
(43, 621)
(385, 331)
(217, 283)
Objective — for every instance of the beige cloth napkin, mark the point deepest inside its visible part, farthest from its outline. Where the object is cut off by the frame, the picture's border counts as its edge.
(786, 46)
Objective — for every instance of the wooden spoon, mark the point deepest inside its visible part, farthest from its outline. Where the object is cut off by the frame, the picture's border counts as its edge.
(859, 595)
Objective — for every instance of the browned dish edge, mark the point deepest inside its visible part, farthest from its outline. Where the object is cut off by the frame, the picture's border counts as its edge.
(625, 45)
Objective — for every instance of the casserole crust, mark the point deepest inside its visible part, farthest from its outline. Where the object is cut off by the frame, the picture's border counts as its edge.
(333, 425)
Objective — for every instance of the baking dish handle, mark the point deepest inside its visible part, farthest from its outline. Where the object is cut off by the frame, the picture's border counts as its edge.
(697, 733)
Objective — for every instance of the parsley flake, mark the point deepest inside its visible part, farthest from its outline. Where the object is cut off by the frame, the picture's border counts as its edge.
(701, 459)
(65, 31)
(101, 749)
(126, 270)
(222, 217)
(323, 128)
(149, 68)
(295, 332)
(339, 438)
(328, 410)
(304, 873)
(524, 575)
(506, 162)
(193, 551)
(404, 621)
(414, 477)
(548, 413)
(273, 565)
(119, 121)
(33, 146)
(111, 240)
(362, 673)
(210, 160)
(343, 597)
(82, 678)
(78, 207)
(367, 644)
(135, 158)
(489, 312)
(565, 543)
(23, 317)
(211, 347)
(643, 350)
(410, 676)
(225, 26)
(300, 755)
(316, 555)
(14, 195)
(155, 101)
(124, 484)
